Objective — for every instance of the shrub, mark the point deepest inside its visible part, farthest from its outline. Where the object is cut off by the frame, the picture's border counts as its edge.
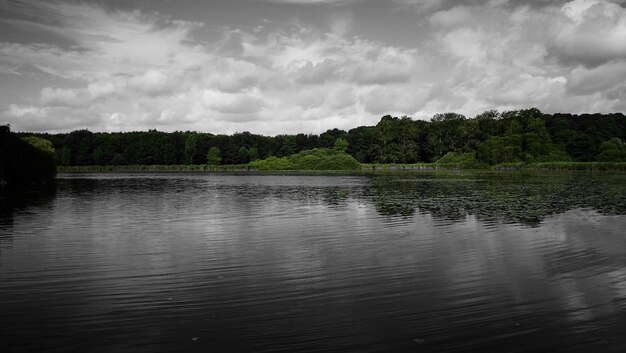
(460, 160)
(315, 159)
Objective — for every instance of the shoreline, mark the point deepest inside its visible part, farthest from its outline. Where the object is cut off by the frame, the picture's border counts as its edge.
(545, 166)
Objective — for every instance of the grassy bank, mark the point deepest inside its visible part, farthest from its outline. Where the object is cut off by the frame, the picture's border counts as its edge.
(152, 168)
(414, 166)
(581, 166)
(565, 166)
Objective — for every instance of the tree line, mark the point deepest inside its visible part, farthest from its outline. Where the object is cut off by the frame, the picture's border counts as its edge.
(493, 137)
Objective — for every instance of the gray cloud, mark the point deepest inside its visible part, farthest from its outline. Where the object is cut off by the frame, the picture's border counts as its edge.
(320, 73)
(584, 81)
(590, 32)
(115, 69)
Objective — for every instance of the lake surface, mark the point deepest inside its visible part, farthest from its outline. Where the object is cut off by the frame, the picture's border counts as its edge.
(415, 262)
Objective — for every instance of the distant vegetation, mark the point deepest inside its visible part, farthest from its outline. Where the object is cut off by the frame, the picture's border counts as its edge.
(315, 159)
(513, 138)
(25, 161)
(334, 158)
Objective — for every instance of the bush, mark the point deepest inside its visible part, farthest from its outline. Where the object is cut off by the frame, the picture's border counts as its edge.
(460, 160)
(315, 159)
(613, 150)
(527, 148)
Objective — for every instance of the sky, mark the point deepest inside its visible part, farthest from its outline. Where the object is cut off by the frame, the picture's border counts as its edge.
(301, 66)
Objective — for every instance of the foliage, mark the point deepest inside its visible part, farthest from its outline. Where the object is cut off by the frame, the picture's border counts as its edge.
(518, 136)
(460, 160)
(341, 145)
(582, 166)
(613, 150)
(527, 147)
(213, 156)
(363, 143)
(315, 159)
(399, 140)
(582, 148)
(40, 143)
(500, 149)
(274, 163)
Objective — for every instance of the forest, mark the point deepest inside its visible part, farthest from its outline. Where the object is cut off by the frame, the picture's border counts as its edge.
(490, 138)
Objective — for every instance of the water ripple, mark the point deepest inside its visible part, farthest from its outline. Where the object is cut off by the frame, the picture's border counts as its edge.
(200, 262)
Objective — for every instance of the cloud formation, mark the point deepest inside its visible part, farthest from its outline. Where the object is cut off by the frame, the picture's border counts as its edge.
(112, 70)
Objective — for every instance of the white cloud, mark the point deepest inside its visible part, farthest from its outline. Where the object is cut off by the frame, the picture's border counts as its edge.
(421, 5)
(599, 79)
(233, 103)
(151, 82)
(313, 2)
(319, 73)
(9, 70)
(18, 111)
(49, 118)
(340, 97)
(384, 100)
(133, 71)
(233, 75)
(101, 89)
(61, 97)
(529, 88)
(341, 23)
(453, 17)
(466, 44)
(591, 32)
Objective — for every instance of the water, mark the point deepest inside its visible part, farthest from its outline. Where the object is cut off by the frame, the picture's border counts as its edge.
(415, 262)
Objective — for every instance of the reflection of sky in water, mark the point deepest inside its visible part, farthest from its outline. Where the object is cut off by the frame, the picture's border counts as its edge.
(327, 261)
(617, 281)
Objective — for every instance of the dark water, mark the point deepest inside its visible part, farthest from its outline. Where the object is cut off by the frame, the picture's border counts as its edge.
(413, 262)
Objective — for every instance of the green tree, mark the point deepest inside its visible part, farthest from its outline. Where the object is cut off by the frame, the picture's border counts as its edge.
(191, 147)
(341, 145)
(327, 139)
(243, 155)
(286, 145)
(81, 144)
(364, 143)
(582, 148)
(253, 154)
(500, 149)
(63, 156)
(398, 140)
(613, 150)
(213, 156)
(447, 133)
(40, 143)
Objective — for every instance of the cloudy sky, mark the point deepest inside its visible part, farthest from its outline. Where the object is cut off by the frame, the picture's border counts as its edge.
(285, 66)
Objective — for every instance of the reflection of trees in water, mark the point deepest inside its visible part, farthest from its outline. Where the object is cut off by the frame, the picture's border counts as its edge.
(404, 197)
(508, 198)
(6, 224)
(334, 196)
(396, 197)
(448, 197)
(490, 197)
(17, 201)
